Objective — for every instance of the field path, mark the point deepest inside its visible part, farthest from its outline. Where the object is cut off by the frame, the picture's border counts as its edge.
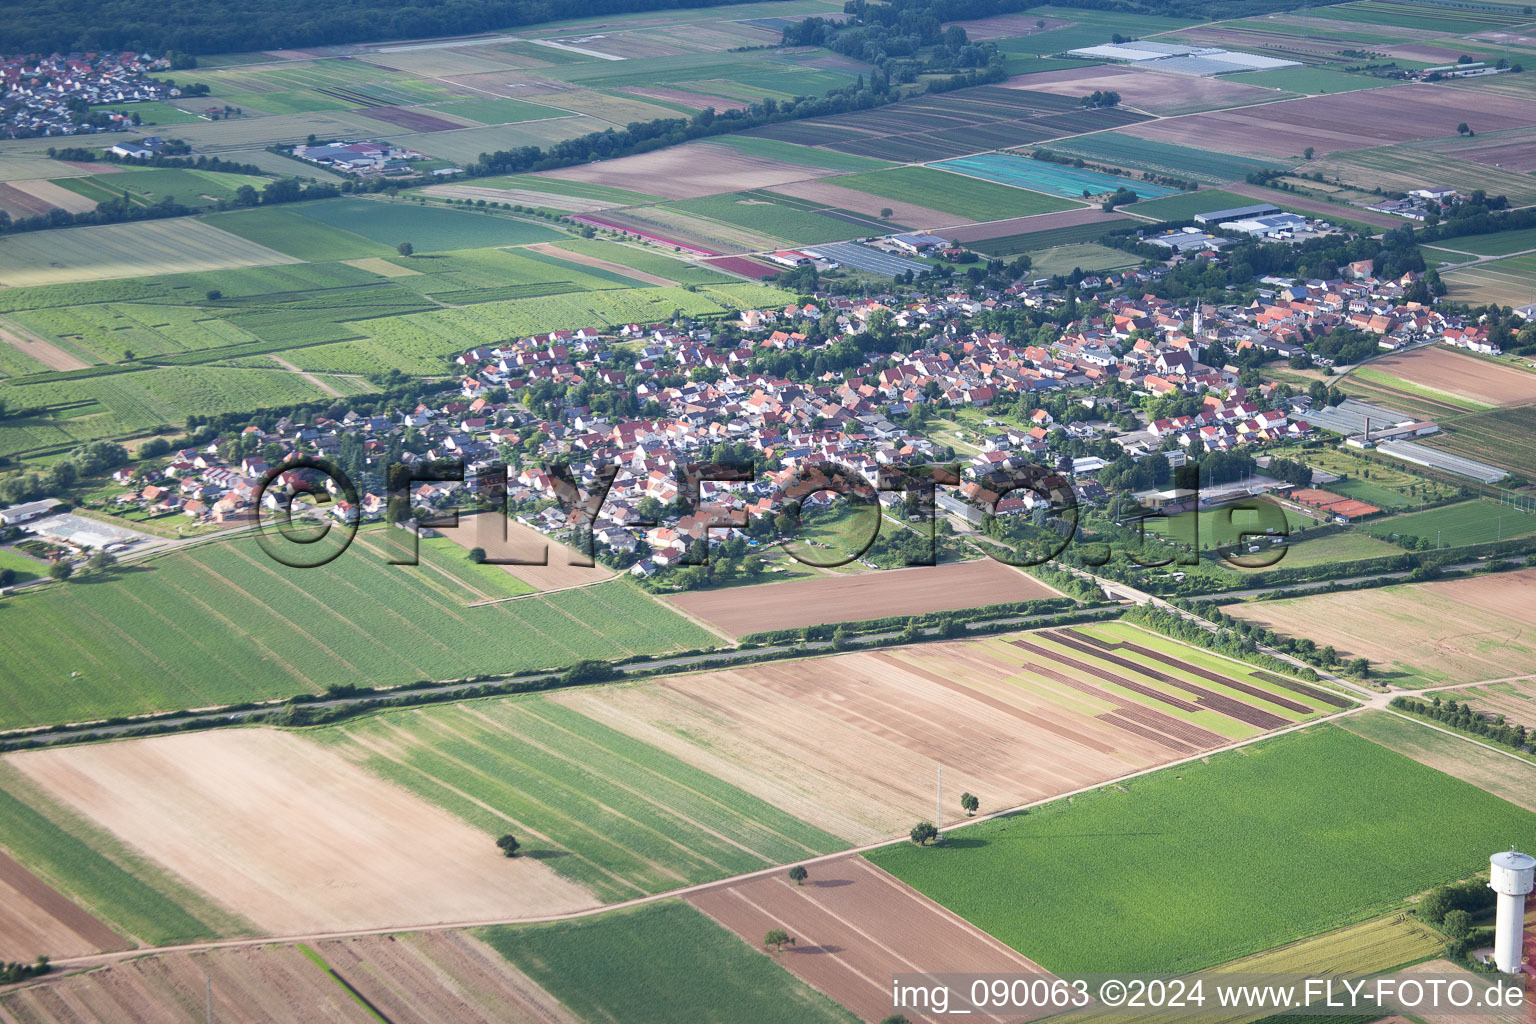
(316, 381)
(39, 348)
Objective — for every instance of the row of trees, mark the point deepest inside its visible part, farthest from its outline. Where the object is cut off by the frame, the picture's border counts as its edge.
(1461, 716)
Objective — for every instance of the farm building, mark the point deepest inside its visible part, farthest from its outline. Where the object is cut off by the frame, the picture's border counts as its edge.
(27, 511)
(1182, 59)
(919, 242)
(1189, 240)
(1236, 213)
(1422, 456)
(1275, 225)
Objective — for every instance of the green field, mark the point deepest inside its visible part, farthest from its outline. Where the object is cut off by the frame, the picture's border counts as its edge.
(1163, 157)
(646, 260)
(1313, 81)
(428, 228)
(609, 812)
(557, 186)
(154, 112)
(222, 623)
(954, 193)
(1500, 243)
(1086, 256)
(132, 895)
(290, 232)
(661, 964)
(492, 111)
(804, 156)
(1033, 241)
(1183, 207)
(1375, 376)
(146, 187)
(1408, 166)
(1212, 860)
(1504, 282)
(1479, 521)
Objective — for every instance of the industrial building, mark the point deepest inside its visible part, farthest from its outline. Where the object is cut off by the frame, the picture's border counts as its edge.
(1236, 213)
(1183, 59)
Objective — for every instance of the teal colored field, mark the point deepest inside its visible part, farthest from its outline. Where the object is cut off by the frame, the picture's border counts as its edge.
(428, 228)
(1198, 864)
(609, 812)
(1479, 521)
(1052, 179)
(954, 193)
(1187, 205)
(222, 623)
(293, 234)
(661, 964)
(1159, 157)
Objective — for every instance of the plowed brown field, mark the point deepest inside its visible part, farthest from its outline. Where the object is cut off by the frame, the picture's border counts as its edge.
(871, 595)
(526, 544)
(855, 926)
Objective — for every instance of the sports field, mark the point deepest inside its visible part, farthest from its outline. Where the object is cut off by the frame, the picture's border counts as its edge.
(1419, 634)
(852, 743)
(665, 963)
(615, 816)
(246, 628)
(1478, 521)
(1036, 881)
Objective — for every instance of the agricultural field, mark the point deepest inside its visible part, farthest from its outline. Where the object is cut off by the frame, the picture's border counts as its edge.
(1183, 207)
(1164, 95)
(1035, 241)
(686, 172)
(1311, 81)
(1460, 378)
(1123, 150)
(300, 237)
(280, 631)
(1395, 167)
(126, 250)
(851, 744)
(863, 595)
(166, 798)
(1500, 243)
(1388, 486)
(1034, 880)
(615, 816)
(1505, 438)
(145, 188)
(854, 927)
(959, 194)
(428, 228)
(665, 963)
(1049, 178)
(1503, 774)
(1514, 700)
(562, 568)
(1505, 282)
(796, 221)
(807, 156)
(1419, 634)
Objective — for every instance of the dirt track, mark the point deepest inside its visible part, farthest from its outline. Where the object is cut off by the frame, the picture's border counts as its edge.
(44, 351)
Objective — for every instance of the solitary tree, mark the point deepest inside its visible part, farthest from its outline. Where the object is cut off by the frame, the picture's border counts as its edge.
(101, 560)
(405, 248)
(214, 295)
(895, 1018)
(777, 939)
(61, 570)
(1308, 152)
(886, 213)
(969, 803)
(477, 555)
(1463, 128)
(798, 874)
(1360, 667)
(508, 846)
(924, 833)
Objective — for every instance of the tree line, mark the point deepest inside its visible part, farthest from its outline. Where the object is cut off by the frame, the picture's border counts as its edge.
(1461, 716)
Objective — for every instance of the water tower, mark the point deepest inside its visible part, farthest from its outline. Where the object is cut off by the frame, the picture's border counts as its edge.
(1511, 876)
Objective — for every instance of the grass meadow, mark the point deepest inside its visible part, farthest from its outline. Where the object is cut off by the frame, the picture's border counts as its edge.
(1204, 862)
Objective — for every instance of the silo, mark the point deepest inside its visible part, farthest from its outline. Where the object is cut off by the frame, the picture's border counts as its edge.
(1512, 875)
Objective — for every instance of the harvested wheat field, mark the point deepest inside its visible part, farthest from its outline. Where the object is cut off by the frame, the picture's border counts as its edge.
(870, 206)
(34, 918)
(520, 196)
(526, 544)
(1515, 700)
(1420, 634)
(870, 595)
(55, 194)
(381, 266)
(290, 835)
(1444, 369)
(1022, 225)
(687, 172)
(851, 743)
(854, 927)
(586, 260)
